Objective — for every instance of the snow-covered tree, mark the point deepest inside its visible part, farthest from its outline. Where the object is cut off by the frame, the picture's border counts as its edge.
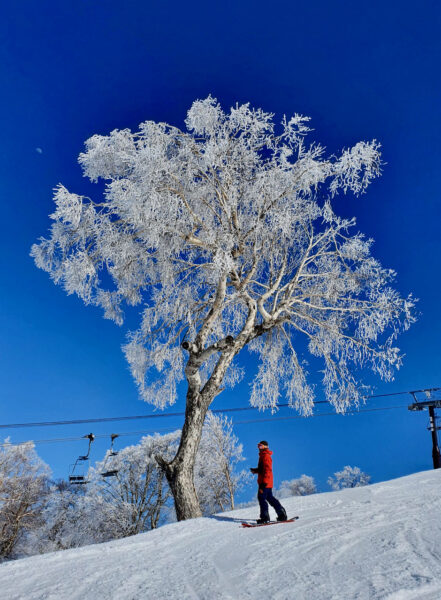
(74, 517)
(303, 486)
(62, 524)
(139, 490)
(23, 492)
(348, 477)
(136, 499)
(57, 531)
(225, 235)
(216, 477)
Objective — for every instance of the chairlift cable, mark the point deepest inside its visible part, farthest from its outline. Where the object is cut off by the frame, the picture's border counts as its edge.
(181, 414)
(170, 429)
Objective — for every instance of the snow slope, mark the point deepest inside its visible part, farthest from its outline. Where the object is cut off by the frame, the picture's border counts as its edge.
(381, 541)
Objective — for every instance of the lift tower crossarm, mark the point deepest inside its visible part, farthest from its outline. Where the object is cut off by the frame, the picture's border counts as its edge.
(424, 405)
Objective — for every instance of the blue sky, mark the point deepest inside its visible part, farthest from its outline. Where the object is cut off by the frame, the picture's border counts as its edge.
(72, 69)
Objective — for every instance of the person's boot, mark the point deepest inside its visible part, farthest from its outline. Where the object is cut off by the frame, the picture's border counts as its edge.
(282, 515)
(263, 520)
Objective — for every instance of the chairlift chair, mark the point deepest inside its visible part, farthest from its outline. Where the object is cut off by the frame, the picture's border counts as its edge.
(110, 454)
(78, 472)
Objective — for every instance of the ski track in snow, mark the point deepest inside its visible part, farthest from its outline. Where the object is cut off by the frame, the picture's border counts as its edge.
(380, 542)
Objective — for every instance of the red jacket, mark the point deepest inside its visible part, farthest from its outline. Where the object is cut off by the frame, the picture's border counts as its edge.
(265, 468)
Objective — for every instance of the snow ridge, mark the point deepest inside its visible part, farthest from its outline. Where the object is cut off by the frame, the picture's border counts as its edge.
(376, 542)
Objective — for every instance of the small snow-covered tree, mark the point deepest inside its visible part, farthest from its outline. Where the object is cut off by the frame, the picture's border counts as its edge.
(136, 499)
(349, 477)
(23, 492)
(216, 477)
(303, 486)
(60, 525)
(139, 490)
(225, 235)
(75, 518)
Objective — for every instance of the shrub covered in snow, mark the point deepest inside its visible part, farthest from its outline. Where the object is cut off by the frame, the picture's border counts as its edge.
(349, 477)
(303, 486)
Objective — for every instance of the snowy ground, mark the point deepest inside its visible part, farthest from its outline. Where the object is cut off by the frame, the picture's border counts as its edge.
(381, 541)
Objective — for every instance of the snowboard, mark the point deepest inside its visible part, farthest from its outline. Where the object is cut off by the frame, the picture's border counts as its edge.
(270, 523)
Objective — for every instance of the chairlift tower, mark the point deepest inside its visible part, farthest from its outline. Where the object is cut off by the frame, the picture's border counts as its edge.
(430, 404)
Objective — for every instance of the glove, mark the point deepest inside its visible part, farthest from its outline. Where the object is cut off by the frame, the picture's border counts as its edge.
(254, 471)
(262, 487)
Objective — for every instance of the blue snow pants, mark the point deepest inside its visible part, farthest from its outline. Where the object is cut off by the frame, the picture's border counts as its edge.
(265, 496)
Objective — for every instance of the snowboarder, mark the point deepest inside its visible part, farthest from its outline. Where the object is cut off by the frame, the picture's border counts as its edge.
(264, 473)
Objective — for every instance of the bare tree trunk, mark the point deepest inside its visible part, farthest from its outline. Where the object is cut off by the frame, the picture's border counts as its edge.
(229, 485)
(179, 471)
